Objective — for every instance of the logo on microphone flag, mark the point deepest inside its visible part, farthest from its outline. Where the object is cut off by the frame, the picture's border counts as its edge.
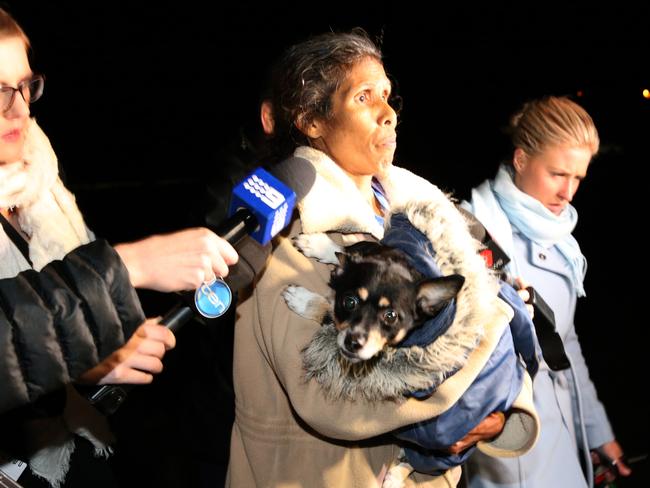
(270, 200)
(213, 298)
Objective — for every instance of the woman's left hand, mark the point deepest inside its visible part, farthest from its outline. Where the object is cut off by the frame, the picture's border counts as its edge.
(136, 361)
(489, 427)
(613, 456)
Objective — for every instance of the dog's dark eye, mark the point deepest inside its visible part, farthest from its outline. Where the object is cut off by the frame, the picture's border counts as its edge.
(350, 302)
(390, 316)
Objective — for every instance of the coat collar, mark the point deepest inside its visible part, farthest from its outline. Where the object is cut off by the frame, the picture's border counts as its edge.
(334, 202)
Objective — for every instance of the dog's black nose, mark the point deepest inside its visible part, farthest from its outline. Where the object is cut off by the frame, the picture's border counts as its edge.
(354, 341)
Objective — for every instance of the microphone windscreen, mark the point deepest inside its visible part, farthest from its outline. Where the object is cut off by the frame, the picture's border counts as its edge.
(297, 173)
(267, 200)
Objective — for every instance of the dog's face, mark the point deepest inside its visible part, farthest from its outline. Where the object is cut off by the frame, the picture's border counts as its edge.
(380, 297)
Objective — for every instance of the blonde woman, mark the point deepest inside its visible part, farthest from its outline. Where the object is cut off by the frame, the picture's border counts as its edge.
(527, 210)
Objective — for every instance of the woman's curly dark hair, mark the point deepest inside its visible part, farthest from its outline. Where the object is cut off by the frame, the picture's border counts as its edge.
(306, 77)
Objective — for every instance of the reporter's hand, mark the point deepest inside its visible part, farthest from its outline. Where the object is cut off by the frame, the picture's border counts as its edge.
(137, 360)
(179, 261)
(489, 427)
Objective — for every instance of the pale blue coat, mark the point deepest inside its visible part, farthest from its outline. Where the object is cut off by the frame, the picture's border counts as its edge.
(555, 459)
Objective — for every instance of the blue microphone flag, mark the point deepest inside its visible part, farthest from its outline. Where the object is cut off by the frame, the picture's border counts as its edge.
(270, 201)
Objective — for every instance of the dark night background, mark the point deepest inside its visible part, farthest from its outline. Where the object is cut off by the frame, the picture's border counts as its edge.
(144, 102)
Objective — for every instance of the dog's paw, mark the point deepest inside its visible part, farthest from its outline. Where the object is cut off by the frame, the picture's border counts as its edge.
(318, 246)
(391, 481)
(306, 303)
(396, 476)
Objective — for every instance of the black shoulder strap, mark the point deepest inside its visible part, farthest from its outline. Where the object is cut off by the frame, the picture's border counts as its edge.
(17, 239)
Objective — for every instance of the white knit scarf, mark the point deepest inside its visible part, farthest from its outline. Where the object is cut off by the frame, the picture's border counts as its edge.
(47, 212)
(48, 215)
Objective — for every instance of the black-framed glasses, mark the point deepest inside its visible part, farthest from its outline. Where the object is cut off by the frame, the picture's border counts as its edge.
(31, 90)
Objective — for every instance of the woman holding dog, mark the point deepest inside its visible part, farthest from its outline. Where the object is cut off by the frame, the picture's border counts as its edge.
(527, 210)
(331, 107)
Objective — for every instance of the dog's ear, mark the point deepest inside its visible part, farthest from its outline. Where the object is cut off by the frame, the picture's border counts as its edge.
(343, 260)
(434, 293)
(364, 248)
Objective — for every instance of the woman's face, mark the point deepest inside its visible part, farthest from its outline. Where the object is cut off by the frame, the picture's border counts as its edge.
(552, 176)
(360, 136)
(14, 68)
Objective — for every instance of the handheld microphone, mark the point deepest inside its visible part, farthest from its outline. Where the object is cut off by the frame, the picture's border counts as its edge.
(261, 206)
(297, 174)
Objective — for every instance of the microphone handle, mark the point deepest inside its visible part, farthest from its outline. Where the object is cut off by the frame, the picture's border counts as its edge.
(108, 398)
(237, 226)
(177, 317)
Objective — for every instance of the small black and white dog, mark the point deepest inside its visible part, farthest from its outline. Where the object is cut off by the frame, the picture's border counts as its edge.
(378, 295)
(378, 298)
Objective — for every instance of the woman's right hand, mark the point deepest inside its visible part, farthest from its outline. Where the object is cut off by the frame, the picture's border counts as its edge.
(179, 261)
(136, 361)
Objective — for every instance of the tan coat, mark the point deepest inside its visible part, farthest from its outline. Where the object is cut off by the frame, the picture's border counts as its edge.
(287, 433)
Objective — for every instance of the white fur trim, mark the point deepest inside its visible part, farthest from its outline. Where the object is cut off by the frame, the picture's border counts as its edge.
(334, 202)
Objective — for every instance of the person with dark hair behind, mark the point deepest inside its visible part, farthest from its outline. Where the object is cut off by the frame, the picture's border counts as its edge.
(330, 106)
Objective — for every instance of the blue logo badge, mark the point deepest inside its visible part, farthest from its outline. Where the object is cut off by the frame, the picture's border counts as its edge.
(213, 298)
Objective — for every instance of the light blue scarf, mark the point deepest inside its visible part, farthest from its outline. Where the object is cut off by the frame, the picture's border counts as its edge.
(498, 204)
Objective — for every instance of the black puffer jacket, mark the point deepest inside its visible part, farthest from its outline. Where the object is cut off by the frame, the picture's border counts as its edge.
(58, 323)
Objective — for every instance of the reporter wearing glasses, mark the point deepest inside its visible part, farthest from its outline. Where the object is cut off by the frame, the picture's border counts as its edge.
(75, 320)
